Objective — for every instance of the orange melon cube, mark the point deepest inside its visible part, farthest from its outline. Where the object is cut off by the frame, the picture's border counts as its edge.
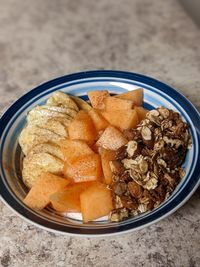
(84, 168)
(121, 119)
(106, 157)
(113, 103)
(74, 148)
(141, 112)
(97, 98)
(96, 201)
(111, 139)
(135, 95)
(99, 121)
(68, 200)
(46, 185)
(82, 128)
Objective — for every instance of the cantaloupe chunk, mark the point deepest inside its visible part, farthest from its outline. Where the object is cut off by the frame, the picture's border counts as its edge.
(96, 201)
(121, 119)
(99, 121)
(84, 169)
(114, 103)
(141, 112)
(97, 98)
(111, 139)
(46, 185)
(106, 157)
(82, 128)
(135, 95)
(74, 148)
(68, 200)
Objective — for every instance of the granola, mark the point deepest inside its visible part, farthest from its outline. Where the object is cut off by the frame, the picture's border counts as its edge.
(148, 168)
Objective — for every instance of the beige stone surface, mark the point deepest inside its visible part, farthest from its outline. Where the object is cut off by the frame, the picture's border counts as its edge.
(43, 39)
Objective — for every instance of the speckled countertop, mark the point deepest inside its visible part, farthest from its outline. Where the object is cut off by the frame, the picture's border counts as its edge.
(40, 40)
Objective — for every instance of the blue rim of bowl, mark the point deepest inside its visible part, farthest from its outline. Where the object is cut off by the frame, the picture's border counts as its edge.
(180, 199)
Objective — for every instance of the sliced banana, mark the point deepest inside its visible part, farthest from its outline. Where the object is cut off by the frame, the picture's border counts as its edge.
(49, 148)
(68, 111)
(40, 112)
(35, 164)
(43, 120)
(56, 127)
(61, 99)
(46, 129)
(82, 104)
(33, 135)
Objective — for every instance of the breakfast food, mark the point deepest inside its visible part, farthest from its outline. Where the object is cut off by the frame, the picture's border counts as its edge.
(82, 105)
(84, 169)
(97, 98)
(60, 99)
(149, 165)
(111, 139)
(106, 157)
(98, 120)
(69, 200)
(136, 96)
(74, 148)
(35, 164)
(34, 135)
(50, 148)
(82, 128)
(46, 185)
(121, 119)
(47, 125)
(96, 201)
(111, 158)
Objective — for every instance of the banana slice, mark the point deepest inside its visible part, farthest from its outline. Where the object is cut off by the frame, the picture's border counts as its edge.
(35, 164)
(69, 111)
(33, 135)
(49, 148)
(55, 126)
(60, 99)
(82, 104)
(43, 120)
(41, 112)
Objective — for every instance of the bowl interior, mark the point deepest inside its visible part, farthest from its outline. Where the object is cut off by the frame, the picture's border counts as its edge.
(11, 161)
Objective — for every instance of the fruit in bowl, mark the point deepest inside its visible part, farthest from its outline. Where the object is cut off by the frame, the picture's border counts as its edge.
(112, 159)
(44, 152)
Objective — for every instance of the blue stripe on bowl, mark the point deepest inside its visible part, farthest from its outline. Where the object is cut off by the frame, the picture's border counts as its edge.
(113, 77)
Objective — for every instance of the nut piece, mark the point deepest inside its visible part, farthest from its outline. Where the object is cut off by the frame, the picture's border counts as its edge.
(135, 189)
(116, 167)
(119, 188)
(121, 153)
(146, 133)
(131, 148)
